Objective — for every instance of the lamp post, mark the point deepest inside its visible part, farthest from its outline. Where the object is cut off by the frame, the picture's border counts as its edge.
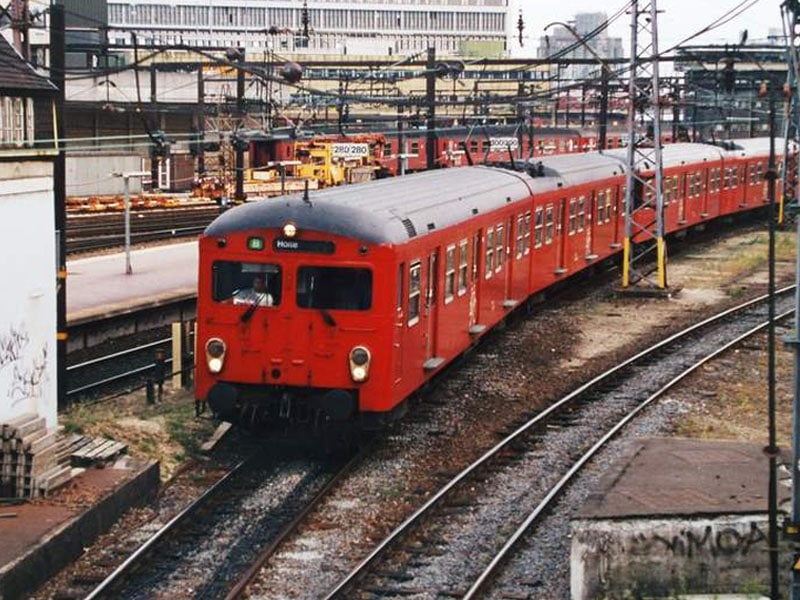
(127, 199)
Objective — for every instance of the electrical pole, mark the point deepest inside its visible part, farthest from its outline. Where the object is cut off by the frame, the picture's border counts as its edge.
(239, 142)
(430, 101)
(57, 51)
(644, 198)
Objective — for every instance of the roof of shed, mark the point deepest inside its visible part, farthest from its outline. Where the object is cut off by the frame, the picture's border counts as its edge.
(17, 77)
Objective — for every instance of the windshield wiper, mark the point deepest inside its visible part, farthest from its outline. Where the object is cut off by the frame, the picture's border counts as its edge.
(248, 314)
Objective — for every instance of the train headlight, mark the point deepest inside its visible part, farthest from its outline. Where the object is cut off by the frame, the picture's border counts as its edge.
(215, 354)
(289, 230)
(360, 358)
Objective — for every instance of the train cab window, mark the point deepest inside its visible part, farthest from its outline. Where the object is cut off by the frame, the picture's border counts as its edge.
(548, 225)
(520, 238)
(334, 288)
(526, 241)
(500, 248)
(449, 274)
(538, 226)
(463, 266)
(581, 213)
(246, 283)
(489, 245)
(414, 279)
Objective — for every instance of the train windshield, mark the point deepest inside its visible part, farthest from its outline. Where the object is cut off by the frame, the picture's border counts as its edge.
(247, 283)
(334, 288)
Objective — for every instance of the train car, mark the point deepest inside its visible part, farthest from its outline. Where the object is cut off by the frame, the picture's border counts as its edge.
(337, 305)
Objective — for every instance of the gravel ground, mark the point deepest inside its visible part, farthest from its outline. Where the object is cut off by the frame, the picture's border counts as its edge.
(533, 362)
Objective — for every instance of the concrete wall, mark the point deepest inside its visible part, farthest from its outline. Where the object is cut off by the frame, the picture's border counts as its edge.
(91, 175)
(666, 557)
(28, 302)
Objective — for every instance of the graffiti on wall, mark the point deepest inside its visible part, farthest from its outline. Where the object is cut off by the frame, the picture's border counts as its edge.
(688, 543)
(28, 364)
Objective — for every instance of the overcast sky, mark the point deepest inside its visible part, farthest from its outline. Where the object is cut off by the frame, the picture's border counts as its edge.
(677, 20)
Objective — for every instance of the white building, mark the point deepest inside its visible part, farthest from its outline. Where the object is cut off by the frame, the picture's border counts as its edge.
(372, 27)
(28, 374)
(590, 27)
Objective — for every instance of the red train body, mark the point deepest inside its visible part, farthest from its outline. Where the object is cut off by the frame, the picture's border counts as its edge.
(372, 288)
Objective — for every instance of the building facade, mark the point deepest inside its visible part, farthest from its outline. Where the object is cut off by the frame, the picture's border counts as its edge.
(28, 373)
(560, 39)
(341, 27)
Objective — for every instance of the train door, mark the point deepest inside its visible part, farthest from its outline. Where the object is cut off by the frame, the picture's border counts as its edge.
(399, 323)
(561, 237)
(508, 259)
(591, 212)
(431, 311)
(474, 279)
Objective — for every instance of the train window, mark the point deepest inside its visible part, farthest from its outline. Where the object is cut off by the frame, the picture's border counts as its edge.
(414, 148)
(489, 263)
(601, 207)
(572, 215)
(449, 274)
(473, 146)
(609, 200)
(401, 273)
(538, 225)
(246, 283)
(463, 266)
(581, 213)
(752, 174)
(414, 278)
(759, 172)
(548, 225)
(334, 288)
(727, 182)
(500, 253)
(520, 237)
(527, 235)
(735, 177)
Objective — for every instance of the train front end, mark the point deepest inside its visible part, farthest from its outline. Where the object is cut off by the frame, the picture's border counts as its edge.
(289, 321)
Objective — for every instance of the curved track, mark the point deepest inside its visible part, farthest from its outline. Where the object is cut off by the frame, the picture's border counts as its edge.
(455, 543)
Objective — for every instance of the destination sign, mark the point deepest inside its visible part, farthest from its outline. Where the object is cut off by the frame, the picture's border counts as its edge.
(311, 246)
(344, 150)
(498, 144)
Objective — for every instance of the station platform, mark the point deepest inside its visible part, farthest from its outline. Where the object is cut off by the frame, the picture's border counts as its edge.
(40, 537)
(99, 286)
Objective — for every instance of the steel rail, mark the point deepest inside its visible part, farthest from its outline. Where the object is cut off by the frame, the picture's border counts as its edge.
(560, 486)
(497, 448)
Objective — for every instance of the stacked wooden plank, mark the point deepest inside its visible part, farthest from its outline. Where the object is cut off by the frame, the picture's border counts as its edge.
(35, 460)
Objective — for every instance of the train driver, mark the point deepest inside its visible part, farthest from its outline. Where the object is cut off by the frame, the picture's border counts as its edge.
(257, 295)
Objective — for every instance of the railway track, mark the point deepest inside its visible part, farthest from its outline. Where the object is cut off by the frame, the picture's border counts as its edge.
(107, 230)
(213, 548)
(458, 541)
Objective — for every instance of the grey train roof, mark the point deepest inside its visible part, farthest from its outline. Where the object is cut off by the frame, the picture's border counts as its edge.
(387, 211)
(391, 211)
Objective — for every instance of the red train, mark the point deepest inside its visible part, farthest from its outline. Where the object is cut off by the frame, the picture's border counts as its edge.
(485, 144)
(372, 288)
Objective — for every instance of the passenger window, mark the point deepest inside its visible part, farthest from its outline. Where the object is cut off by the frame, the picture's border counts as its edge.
(463, 266)
(548, 226)
(581, 213)
(538, 226)
(520, 236)
(449, 274)
(572, 216)
(334, 288)
(414, 278)
(527, 234)
(601, 207)
(401, 273)
(489, 262)
(609, 200)
(500, 248)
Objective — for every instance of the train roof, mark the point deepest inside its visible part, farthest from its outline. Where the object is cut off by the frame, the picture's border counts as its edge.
(387, 211)
(675, 155)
